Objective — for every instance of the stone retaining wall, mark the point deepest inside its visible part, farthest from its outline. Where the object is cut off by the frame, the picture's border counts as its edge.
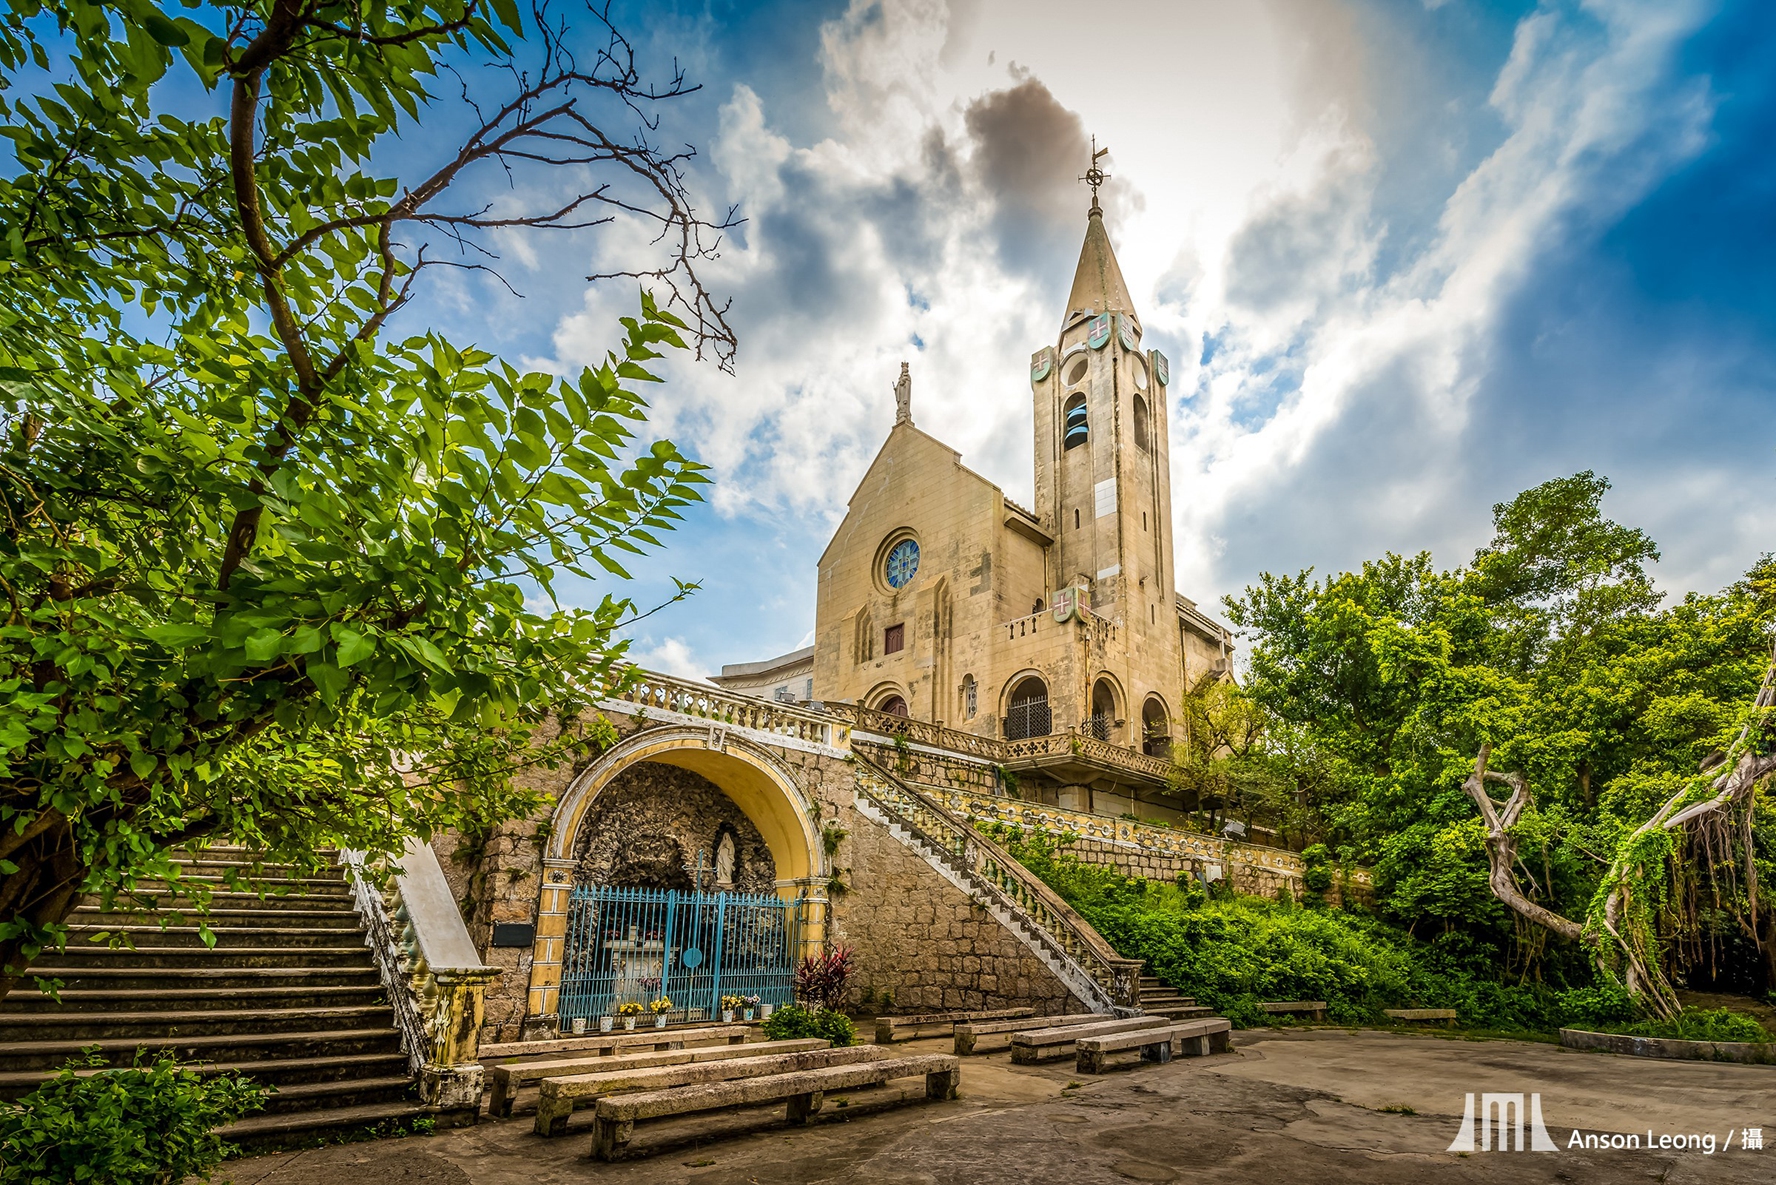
(1754, 1052)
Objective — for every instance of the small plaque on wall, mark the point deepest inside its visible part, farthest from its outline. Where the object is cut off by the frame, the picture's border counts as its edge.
(514, 934)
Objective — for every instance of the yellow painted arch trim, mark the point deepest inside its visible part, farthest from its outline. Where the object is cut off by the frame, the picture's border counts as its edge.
(756, 783)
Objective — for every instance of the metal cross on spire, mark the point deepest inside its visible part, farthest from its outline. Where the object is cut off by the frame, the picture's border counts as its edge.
(1095, 176)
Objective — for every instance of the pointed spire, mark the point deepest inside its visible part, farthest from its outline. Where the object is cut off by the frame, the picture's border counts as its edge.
(1097, 284)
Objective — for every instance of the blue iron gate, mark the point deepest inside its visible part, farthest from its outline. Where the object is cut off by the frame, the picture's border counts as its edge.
(692, 948)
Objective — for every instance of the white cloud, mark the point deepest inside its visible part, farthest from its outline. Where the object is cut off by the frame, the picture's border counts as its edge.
(1329, 420)
(671, 656)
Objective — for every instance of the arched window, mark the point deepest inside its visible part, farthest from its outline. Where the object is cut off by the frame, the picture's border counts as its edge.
(1156, 728)
(1026, 715)
(970, 697)
(894, 706)
(1143, 429)
(1077, 431)
(1103, 717)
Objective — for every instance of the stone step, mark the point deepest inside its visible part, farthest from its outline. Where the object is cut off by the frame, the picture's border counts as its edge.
(352, 1092)
(222, 938)
(52, 1054)
(174, 999)
(1180, 1011)
(221, 874)
(1165, 999)
(262, 1133)
(210, 1022)
(98, 978)
(313, 914)
(158, 903)
(202, 957)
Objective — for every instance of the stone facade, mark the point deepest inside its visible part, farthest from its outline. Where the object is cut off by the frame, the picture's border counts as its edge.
(951, 639)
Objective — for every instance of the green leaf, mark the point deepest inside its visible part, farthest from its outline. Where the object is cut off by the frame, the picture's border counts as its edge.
(353, 646)
(177, 637)
(263, 645)
(328, 679)
(143, 764)
(163, 29)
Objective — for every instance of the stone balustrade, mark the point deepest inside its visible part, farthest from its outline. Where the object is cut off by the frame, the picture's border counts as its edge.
(434, 977)
(1172, 841)
(662, 693)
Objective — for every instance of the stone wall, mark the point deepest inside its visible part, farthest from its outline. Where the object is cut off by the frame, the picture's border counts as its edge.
(921, 940)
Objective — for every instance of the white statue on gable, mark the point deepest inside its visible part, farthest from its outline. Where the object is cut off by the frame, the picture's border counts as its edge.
(724, 861)
(903, 396)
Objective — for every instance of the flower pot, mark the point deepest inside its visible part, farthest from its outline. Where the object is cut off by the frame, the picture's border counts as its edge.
(606, 1023)
(579, 1025)
(629, 1023)
(727, 1016)
(749, 1014)
(765, 1011)
(659, 1020)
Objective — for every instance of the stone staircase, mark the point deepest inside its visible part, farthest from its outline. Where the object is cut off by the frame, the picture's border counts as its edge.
(289, 995)
(1015, 896)
(1159, 998)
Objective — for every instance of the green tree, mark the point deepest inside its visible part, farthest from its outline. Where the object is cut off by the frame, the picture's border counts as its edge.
(1552, 646)
(265, 561)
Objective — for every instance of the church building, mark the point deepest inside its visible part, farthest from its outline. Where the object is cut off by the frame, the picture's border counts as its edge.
(941, 600)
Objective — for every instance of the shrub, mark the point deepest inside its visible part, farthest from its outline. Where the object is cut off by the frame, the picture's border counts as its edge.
(1233, 952)
(794, 1021)
(152, 1123)
(821, 979)
(1691, 1024)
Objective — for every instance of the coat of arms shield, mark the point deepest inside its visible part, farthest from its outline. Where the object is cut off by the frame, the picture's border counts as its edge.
(1162, 370)
(1099, 333)
(1041, 362)
(1125, 332)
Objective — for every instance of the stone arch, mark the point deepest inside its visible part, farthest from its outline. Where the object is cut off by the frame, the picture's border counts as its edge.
(881, 697)
(749, 775)
(1156, 727)
(659, 826)
(1026, 710)
(1105, 707)
(756, 782)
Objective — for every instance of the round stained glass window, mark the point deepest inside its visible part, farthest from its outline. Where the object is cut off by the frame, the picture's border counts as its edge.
(903, 561)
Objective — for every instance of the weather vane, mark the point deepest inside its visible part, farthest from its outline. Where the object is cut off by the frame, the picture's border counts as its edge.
(1095, 176)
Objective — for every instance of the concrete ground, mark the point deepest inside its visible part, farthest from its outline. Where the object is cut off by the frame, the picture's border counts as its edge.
(1305, 1106)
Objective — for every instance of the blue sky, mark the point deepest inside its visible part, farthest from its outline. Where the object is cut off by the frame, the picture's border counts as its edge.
(1407, 258)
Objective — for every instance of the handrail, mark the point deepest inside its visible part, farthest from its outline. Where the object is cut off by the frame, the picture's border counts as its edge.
(1022, 890)
(385, 949)
(430, 970)
(1003, 752)
(664, 693)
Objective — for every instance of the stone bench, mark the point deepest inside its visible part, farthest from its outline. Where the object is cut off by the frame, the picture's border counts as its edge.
(1313, 1009)
(1445, 1015)
(1041, 1045)
(1194, 1038)
(609, 1043)
(504, 1082)
(889, 1029)
(803, 1092)
(969, 1033)
(557, 1097)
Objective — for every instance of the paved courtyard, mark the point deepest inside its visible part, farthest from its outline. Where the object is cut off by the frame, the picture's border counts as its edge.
(1283, 1107)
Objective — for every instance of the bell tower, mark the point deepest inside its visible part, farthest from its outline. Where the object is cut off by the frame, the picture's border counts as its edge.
(1103, 483)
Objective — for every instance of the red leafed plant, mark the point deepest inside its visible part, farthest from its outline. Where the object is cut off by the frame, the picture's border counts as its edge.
(821, 979)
